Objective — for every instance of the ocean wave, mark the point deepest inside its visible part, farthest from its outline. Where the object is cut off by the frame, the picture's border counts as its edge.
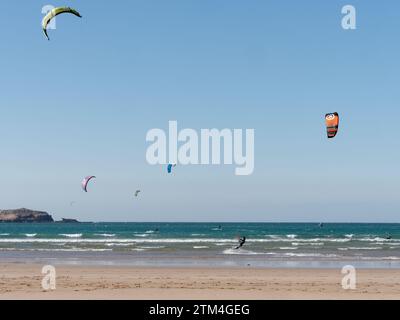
(71, 235)
(240, 252)
(76, 250)
(200, 247)
(30, 235)
(119, 244)
(144, 239)
(105, 234)
(378, 239)
(288, 248)
(56, 250)
(380, 258)
(291, 236)
(365, 248)
(349, 235)
(301, 240)
(4, 234)
(388, 243)
(307, 244)
(142, 235)
(329, 255)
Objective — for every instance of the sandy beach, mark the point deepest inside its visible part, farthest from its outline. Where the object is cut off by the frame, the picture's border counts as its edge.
(23, 281)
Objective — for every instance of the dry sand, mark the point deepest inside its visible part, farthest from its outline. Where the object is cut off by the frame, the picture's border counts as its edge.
(23, 281)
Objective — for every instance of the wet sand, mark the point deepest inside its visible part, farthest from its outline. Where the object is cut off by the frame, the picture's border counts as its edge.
(23, 281)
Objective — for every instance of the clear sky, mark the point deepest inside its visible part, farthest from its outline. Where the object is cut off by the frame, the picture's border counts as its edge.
(82, 103)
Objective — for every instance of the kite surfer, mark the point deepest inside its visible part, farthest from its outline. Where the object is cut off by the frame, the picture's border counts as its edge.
(242, 241)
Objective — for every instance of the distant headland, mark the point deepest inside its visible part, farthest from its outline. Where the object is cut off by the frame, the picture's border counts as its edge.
(24, 215)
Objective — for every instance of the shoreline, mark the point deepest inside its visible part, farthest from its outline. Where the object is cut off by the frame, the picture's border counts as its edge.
(23, 281)
(187, 259)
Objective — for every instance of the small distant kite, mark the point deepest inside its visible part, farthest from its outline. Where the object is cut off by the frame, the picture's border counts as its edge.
(332, 124)
(170, 166)
(137, 193)
(86, 181)
(55, 12)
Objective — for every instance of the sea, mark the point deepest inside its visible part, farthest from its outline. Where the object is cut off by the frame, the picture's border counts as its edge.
(268, 245)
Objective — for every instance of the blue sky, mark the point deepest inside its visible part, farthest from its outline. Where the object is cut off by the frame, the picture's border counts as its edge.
(82, 103)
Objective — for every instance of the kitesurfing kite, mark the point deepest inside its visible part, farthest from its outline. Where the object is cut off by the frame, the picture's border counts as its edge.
(55, 12)
(86, 181)
(332, 124)
(137, 193)
(170, 166)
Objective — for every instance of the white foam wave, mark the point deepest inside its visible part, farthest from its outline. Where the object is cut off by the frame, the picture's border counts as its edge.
(307, 244)
(58, 250)
(143, 238)
(310, 255)
(364, 248)
(71, 235)
(239, 251)
(110, 235)
(378, 239)
(119, 244)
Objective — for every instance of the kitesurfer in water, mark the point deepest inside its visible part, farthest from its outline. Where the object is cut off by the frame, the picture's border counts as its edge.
(242, 241)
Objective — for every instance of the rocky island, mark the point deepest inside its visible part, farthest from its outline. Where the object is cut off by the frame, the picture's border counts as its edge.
(27, 215)
(24, 215)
